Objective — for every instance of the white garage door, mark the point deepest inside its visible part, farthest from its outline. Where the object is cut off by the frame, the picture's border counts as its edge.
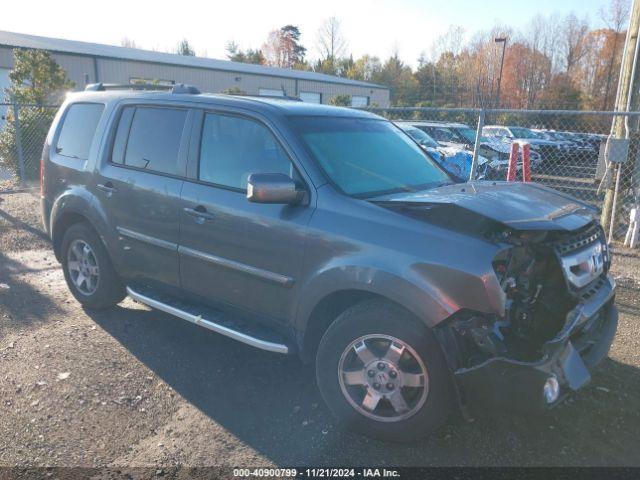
(311, 97)
(270, 92)
(359, 101)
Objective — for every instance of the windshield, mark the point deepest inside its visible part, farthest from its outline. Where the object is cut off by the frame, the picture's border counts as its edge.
(470, 134)
(441, 134)
(366, 157)
(419, 136)
(520, 132)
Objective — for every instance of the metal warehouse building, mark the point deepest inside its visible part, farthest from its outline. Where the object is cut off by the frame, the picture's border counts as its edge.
(91, 62)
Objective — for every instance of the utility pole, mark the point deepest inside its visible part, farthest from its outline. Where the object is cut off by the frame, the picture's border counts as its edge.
(502, 40)
(627, 96)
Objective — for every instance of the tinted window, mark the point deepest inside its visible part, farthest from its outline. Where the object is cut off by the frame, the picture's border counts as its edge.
(78, 130)
(120, 142)
(154, 139)
(367, 157)
(232, 148)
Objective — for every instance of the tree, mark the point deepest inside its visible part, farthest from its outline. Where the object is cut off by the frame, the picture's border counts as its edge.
(366, 68)
(185, 48)
(234, 91)
(331, 44)
(283, 48)
(561, 94)
(572, 39)
(400, 79)
(235, 54)
(35, 79)
(341, 100)
(128, 43)
(616, 18)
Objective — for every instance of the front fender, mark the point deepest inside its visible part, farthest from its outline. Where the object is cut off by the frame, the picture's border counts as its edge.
(432, 292)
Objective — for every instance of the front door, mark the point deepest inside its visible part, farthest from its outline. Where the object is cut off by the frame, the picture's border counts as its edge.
(245, 254)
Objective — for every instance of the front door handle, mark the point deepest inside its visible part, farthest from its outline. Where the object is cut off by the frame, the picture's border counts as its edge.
(199, 213)
(107, 188)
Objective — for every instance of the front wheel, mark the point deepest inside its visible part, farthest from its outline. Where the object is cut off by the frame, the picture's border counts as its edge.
(382, 373)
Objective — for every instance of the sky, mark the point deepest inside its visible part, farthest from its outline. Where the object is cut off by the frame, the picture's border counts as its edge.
(377, 27)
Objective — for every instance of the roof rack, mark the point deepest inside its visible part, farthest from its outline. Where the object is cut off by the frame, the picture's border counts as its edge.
(179, 88)
(277, 97)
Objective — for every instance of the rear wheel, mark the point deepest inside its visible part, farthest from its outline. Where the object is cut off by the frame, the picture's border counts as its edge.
(382, 373)
(88, 269)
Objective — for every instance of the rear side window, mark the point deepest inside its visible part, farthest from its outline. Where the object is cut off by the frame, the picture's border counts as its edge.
(233, 148)
(78, 129)
(149, 138)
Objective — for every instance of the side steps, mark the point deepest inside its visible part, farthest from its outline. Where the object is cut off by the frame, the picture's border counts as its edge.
(211, 319)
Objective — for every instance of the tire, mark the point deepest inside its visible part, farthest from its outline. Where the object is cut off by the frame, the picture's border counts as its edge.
(380, 318)
(105, 289)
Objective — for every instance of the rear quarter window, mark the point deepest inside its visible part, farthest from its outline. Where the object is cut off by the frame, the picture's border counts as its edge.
(78, 129)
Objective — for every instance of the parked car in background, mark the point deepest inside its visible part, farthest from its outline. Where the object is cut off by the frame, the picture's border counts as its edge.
(462, 138)
(548, 150)
(455, 160)
(580, 146)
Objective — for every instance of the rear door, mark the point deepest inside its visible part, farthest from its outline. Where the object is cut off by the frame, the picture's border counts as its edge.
(245, 254)
(140, 185)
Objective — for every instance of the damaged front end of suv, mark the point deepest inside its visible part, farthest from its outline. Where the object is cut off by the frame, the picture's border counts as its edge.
(559, 321)
(556, 317)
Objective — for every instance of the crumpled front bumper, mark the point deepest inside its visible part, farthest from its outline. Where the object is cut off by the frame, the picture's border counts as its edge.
(585, 340)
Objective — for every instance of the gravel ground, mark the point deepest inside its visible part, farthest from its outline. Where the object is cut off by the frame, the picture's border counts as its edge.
(135, 387)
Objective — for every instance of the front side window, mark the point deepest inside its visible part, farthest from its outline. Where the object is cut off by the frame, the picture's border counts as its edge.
(78, 129)
(149, 138)
(366, 157)
(232, 148)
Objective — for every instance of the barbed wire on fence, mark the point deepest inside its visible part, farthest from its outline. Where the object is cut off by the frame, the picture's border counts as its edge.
(567, 146)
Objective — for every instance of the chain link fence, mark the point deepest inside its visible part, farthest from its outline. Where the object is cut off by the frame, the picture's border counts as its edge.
(23, 129)
(570, 150)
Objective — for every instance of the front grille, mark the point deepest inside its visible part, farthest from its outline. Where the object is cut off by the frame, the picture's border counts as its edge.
(578, 241)
(584, 258)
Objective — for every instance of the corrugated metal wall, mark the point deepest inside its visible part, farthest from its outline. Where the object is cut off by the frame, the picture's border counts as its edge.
(81, 68)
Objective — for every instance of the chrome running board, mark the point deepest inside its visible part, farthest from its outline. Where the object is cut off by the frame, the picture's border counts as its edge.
(203, 322)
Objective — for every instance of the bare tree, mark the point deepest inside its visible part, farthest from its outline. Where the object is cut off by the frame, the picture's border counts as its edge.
(331, 43)
(128, 43)
(185, 48)
(615, 17)
(573, 40)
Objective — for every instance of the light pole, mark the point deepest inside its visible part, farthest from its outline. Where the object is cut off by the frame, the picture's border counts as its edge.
(503, 41)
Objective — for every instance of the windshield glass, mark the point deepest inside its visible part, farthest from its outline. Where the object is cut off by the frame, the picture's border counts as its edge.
(520, 132)
(366, 157)
(441, 134)
(421, 137)
(470, 134)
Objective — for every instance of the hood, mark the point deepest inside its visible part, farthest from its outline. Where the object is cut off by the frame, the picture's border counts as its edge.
(520, 206)
(538, 141)
(498, 146)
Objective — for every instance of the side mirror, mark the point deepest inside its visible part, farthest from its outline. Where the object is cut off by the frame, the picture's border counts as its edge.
(272, 188)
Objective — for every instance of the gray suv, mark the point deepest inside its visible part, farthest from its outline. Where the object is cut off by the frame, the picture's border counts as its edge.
(329, 233)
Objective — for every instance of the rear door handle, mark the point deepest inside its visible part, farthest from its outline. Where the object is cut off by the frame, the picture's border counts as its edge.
(108, 188)
(199, 213)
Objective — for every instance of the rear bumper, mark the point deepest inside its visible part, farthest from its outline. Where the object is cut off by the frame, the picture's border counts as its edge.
(504, 383)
